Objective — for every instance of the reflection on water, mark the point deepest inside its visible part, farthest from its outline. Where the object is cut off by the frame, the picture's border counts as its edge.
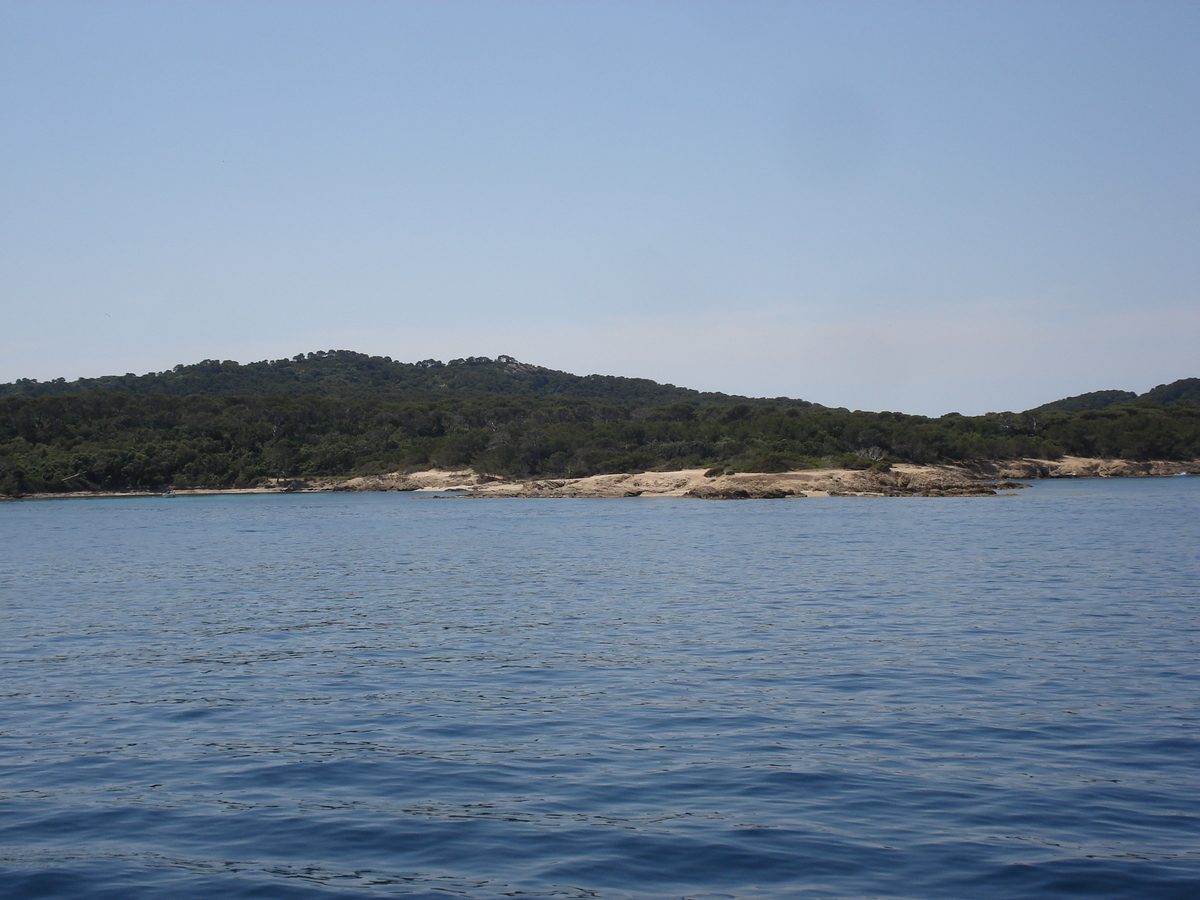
(359, 695)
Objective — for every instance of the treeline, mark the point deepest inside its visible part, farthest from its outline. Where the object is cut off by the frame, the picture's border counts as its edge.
(357, 376)
(1185, 390)
(101, 440)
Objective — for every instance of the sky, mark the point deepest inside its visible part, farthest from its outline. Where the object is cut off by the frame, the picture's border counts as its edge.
(921, 206)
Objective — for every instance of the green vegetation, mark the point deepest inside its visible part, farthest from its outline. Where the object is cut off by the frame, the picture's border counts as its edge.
(1093, 400)
(1184, 390)
(350, 375)
(339, 414)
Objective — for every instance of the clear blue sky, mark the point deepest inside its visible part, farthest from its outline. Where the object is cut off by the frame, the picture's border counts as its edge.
(915, 206)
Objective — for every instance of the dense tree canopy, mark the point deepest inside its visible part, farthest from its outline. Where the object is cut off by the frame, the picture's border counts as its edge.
(102, 440)
(338, 413)
(344, 373)
(1183, 390)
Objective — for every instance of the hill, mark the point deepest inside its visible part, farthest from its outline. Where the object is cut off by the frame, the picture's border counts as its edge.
(349, 375)
(340, 414)
(1185, 390)
(1092, 400)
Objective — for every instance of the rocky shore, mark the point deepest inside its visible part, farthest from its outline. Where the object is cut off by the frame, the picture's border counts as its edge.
(975, 479)
(981, 478)
(906, 481)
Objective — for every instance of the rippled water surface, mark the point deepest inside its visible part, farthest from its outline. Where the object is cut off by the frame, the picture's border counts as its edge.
(387, 694)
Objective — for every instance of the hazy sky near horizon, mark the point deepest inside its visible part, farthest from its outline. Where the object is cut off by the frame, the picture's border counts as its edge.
(915, 206)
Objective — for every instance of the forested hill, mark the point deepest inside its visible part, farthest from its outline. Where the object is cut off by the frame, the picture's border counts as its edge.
(221, 424)
(349, 375)
(1185, 390)
(345, 374)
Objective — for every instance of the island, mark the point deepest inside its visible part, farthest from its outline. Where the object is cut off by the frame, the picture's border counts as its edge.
(489, 428)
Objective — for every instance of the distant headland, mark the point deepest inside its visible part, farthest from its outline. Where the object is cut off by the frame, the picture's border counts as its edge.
(339, 420)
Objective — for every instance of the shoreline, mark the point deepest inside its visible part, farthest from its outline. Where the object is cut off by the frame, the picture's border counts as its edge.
(974, 479)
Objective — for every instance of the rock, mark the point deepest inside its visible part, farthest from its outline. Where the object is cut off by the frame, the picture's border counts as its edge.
(706, 492)
(715, 493)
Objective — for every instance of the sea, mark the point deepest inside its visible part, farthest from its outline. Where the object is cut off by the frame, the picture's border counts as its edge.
(404, 695)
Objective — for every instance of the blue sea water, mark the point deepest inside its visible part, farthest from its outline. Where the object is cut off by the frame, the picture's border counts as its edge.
(366, 695)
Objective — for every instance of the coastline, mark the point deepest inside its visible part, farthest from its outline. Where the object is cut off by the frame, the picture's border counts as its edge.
(973, 479)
